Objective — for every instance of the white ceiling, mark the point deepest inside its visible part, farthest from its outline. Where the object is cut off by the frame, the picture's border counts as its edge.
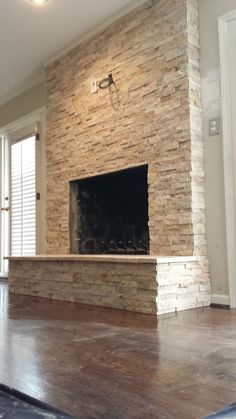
(31, 35)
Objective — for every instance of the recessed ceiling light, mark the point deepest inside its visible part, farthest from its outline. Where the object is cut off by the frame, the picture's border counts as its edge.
(39, 1)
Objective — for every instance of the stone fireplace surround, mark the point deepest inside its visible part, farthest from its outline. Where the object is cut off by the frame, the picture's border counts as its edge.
(153, 54)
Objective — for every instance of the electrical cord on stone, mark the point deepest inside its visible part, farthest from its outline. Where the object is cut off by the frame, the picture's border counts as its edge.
(108, 83)
(114, 97)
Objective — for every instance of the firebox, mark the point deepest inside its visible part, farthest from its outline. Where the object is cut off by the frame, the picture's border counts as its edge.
(109, 213)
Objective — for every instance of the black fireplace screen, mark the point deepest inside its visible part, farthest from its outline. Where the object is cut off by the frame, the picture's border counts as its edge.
(109, 213)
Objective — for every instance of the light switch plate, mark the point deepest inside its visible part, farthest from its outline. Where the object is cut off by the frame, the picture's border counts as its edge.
(94, 86)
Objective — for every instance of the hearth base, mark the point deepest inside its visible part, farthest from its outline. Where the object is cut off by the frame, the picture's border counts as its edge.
(145, 284)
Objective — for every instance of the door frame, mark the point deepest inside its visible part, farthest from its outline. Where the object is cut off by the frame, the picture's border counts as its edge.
(228, 158)
(4, 216)
(20, 126)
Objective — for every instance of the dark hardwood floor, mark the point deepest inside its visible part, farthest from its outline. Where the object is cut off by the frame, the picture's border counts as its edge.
(102, 363)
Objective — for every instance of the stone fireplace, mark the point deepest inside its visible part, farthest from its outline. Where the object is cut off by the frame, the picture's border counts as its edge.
(109, 213)
(129, 178)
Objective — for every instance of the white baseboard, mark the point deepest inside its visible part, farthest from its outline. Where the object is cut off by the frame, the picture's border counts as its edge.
(220, 299)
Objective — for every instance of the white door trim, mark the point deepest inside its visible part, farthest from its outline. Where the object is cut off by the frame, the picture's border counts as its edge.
(229, 164)
(4, 236)
(21, 127)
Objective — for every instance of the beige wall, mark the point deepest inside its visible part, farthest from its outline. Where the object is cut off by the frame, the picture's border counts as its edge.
(210, 10)
(23, 104)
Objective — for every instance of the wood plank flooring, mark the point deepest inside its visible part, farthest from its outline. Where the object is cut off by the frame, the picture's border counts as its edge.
(102, 363)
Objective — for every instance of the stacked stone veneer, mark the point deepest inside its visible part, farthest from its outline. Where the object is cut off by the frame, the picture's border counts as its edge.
(153, 54)
(182, 285)
(145, 285)
(129, 286)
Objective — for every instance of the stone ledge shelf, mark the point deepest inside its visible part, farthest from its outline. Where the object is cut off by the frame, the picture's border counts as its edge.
(146, 284)
(107, 258)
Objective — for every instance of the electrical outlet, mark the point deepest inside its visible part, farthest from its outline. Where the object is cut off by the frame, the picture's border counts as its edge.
(94, 86)
(214, 126)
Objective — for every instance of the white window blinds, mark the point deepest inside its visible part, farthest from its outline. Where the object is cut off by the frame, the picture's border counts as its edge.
(23, 197)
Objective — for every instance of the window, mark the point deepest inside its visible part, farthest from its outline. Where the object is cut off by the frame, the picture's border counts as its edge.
(23, 196)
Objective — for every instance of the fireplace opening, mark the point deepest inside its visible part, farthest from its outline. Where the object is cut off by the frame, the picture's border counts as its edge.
(109, 213)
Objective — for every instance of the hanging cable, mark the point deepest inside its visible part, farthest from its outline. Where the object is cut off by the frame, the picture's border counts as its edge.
(107, 82)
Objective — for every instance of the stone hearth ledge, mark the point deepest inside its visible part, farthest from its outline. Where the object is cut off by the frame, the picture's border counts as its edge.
(106, 258)
(145, 284)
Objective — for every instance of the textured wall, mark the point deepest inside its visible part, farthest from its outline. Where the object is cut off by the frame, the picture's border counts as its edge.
(128, 286)
(142, 284)
(183, 285)
(153, 54)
